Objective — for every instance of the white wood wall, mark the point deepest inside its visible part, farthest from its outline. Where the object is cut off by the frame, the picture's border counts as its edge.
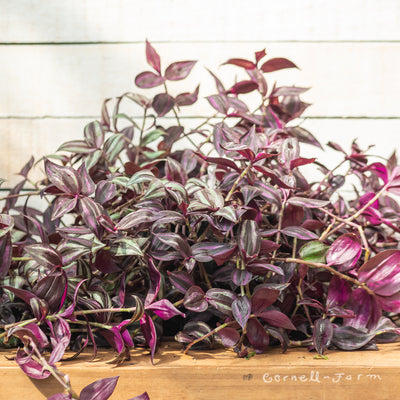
(59, 59)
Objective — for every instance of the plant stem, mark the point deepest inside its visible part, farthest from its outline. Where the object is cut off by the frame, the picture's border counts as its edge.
(217, 329)
(328, 232)
(13, 196)
(327, 268)
(236, 183)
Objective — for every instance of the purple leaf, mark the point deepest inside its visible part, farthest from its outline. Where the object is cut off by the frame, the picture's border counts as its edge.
(226, 162)
(338, 293)
(299, 161)
(44, 255)
(243, 87)
(181, 280)
(229, 336)
(349, 338)
(163, 103)
(52, 288)
(101, 389)
(195, 299)
(322, 335)
(307, 202)
(259, 55)
(275, 64)
(5, 254)
(26, 168)
(262, 299)
(30, 333)
(366, 308)
(299, 233)
(143, 396)
(105, 263)
(276, 318)
(149, 333)
(179, 70)
(219, 102)
(208, 251)
(94, 134)
(65, 179)
(90, 211)
(257, 267)
(62, 206)
(241, 277)
(76, 146)
(240, 62)
(152, 57)
(155, 281)
(148, 79)
(249, 239)
(344, 252)
(241, 310)
(30, 367)
(136, 218)
(257, 335)
(105, 191)
(381, 273)
(88, 185)
(187, 99)
(221, 299)
(60, 338)
(164, 309)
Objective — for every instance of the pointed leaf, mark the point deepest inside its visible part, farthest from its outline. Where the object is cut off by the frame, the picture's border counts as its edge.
(349, 338)
(322, 335)
(344, 252)
(164, 309)
(275, 64)
(195, 299)
(65, 179)
(163, 103)
(299, 233)
(149, 333)
(382, 273)
(148, 79)
(241, 310)
(240, 62)
(63, 205)
(155, 281)
(44, 255)
(257, 335)
(179, 70)
(307, 202)
(101, 389)
(152, 57)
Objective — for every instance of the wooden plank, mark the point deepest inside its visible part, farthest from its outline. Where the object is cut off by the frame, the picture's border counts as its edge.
(346, 79)
(208, 20)
(218, 374)
(21, 138)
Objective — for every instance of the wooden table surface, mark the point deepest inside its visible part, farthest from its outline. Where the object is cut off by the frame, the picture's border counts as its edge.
(220, 374)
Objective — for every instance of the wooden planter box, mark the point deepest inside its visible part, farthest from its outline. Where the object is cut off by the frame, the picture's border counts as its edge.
(219, 374)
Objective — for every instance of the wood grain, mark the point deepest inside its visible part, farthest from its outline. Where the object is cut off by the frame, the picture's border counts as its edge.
(191, 20)
(220, 374)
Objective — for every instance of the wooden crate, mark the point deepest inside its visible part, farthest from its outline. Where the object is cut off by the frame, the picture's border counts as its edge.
(219, 374)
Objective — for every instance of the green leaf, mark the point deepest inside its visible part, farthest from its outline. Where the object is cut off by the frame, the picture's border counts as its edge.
(126, 247)
(314, 251)
(152, 136)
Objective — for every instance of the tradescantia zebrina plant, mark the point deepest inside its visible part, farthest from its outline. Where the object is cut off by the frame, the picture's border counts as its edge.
(224, 242)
